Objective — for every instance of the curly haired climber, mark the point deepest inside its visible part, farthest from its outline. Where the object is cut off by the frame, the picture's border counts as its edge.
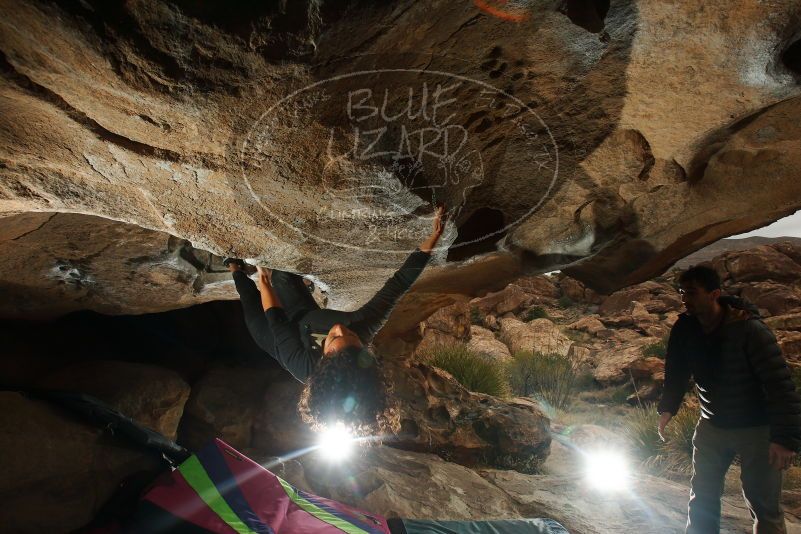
(329, 350)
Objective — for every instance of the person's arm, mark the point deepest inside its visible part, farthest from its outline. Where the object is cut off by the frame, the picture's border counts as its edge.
(369, 319)
(677, 372)
(783, 401)
(289, 350)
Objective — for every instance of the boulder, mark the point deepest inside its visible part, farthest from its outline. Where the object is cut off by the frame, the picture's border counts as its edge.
(590, 324)
(433, 339)
(508, 300)
(483, 341)
(775, 298)
(412, 485)
(620, 301)
(150, 395)
(790, 343)
(647, 368)
(789, 321)
(224, 404)
(437, 414)
(57, 470)
(539, 335)
(760, 263)
(277, 428)
(578, 292)
(541, 287)
(614, 363)
(453, 320)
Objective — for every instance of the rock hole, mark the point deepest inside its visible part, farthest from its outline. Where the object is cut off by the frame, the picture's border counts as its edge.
(495, 52)
(589, 14)
(439, 414)
(791, 58)
(409, 428)
(480, 227)
(497, 72)
(483, 125)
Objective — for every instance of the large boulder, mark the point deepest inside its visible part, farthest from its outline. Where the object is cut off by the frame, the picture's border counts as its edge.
(508, 300)
(224, 403)
(773, 297)
(57, 470)
(437, 414)
(484, 342)
(589, 324)
(539, 335)
(412, 485)
(578, 292)
(614, 363)
(150, 395)
(757, 264)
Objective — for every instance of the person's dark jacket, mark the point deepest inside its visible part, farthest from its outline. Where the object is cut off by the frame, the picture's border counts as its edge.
(741, 376)
(295, 347)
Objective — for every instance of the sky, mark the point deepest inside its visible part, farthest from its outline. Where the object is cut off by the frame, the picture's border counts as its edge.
(787, 227)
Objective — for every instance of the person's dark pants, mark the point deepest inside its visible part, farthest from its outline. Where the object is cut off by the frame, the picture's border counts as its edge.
(292, 293)
(713, 451)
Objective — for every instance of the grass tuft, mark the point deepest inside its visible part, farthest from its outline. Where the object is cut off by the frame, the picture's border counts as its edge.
(472, 370)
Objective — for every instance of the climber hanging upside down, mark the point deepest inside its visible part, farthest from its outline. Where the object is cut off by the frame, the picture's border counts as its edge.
(343, 382)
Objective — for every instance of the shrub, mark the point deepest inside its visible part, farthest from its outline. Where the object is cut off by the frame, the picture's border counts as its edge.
(469, 368)
(621, 394)
(537, 312)
(674, 454)
(476, 317)
(549, 378)
(565, 301)
(658, 349)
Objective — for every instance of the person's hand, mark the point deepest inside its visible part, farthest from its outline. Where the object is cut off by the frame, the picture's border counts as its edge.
(439, 225)
(779, 456)
(265, 275)
(664, 419)
(436, 232)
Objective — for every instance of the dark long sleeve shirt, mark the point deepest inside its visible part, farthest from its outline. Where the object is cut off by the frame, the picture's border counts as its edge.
(295, 348)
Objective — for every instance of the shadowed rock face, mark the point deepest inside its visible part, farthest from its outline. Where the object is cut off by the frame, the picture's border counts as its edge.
(614, 137)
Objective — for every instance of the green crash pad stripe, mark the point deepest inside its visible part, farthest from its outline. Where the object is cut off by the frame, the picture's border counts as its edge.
(197, 477)
(318, 512)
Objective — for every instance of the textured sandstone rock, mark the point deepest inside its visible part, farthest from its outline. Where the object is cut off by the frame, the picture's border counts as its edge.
(509, 300)
(614, 362)
(483, 341)
(150, 395)
(590, 324)
(224, 404)
(542, 287)
(55, 263)
(578, 292)
(760, 263)
(539, 335)
(411, 485)
(651, 506)
(57, 470)
(439, 415)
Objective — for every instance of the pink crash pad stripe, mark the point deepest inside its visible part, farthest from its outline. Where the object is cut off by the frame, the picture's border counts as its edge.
(270, 502)
(177, 496)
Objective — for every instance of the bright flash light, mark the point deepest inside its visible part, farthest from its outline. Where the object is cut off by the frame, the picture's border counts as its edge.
(336, 443)
(607, 470)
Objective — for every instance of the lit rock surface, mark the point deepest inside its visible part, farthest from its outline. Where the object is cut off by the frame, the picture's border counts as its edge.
(622, 145)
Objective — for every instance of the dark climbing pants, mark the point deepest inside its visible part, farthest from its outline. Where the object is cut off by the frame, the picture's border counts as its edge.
(713, 451)
(292, 293)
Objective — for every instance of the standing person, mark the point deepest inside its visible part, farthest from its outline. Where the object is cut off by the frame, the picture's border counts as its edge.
(326, 349)
(749, 403)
